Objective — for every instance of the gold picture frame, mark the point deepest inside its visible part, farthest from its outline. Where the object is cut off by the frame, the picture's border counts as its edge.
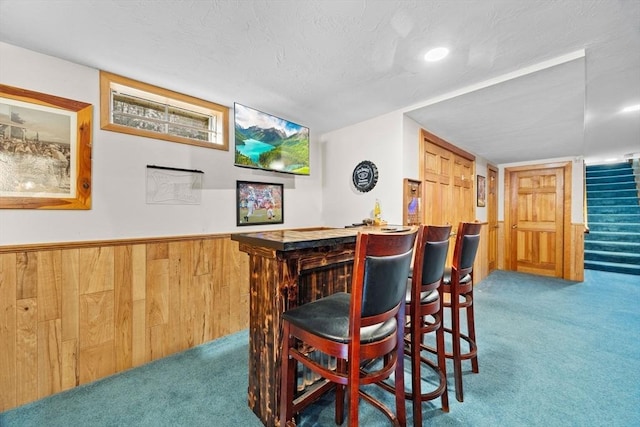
(45, 151)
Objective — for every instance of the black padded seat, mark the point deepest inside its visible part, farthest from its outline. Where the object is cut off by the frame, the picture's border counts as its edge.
(446, 279)
(425, 297)
(329, 318)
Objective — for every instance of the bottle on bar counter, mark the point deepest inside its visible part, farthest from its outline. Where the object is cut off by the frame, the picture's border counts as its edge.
(377, 213)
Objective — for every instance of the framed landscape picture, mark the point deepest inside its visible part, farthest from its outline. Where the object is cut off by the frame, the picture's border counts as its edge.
(45, 151)
(259, 203)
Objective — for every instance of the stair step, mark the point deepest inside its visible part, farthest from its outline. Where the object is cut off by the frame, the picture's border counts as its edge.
(612, 267)
(614, 209)
(607, 179)
(612, 246)
(609, 236)
(613, 201)
(616, 228)
(630, 185)
(617, 218)
(608, 167)
(616, 257)
(626, 164)
(628, 192)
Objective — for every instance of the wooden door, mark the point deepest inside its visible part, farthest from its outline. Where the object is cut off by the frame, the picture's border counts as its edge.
(463, 201)
(492, 216)
(447, 180)
(536, 221)
(437, 184)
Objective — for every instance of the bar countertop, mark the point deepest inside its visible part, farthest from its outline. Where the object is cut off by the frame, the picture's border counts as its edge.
(291, 240)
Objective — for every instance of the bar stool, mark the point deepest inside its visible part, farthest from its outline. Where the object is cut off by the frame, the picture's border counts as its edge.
(425, 313)
(458, 284)
(354, 328)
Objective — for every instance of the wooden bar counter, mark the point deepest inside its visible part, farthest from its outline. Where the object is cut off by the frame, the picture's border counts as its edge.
(287, 268)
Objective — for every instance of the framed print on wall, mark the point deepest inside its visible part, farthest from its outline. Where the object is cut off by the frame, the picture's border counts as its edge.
(412, 202)
(482, 191)
(45, 151)
(259, 203)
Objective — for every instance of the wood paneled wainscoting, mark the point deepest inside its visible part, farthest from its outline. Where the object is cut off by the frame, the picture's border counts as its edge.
(72, 313)
(481, 263)
(574, 254)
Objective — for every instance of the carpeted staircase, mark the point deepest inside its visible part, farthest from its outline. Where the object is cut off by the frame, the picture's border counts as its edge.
(613, 212)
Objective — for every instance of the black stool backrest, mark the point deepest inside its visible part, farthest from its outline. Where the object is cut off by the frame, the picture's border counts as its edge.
(381, 266)
(435, 241)
(385, 283)
(435, 256)
(467, 242)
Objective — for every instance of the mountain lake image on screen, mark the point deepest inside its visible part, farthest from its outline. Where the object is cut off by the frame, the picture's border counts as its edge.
(268, 142)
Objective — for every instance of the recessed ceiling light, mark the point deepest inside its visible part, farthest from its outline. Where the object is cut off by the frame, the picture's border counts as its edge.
(436, 54)
(631, 108)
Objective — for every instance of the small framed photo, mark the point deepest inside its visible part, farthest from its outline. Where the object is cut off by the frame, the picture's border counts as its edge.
(412, 212)
(482, 191)
(259, 203)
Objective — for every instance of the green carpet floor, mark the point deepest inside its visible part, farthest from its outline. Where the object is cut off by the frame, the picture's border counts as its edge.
(551, 353)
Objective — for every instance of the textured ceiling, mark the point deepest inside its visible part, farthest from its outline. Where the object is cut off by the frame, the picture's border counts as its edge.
(525, 79)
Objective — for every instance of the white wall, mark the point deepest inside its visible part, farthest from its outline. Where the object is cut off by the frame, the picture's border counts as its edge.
(411, 139)
(119, 164)
(119, 210)
(371, 140)
(379, 140)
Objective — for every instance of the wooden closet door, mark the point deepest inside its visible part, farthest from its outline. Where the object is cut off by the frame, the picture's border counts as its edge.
(437, 185)
(447, 181)
(447, 174)
(537, 221)
(463, 200)
(492, 216)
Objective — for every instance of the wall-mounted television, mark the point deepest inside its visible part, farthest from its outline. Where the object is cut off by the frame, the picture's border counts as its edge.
(270, 143)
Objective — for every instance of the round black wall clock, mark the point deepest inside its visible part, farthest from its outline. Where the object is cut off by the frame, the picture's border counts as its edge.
(365, 176)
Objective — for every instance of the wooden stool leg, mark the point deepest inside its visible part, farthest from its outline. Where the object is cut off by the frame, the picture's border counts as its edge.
(471, 329)
(288, 377)
(341, 367)
(416, 384)
(455, 336)
(442, 358)
(354, 392)
(401, 409)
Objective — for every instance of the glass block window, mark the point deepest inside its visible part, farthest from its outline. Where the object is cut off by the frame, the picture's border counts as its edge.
(140, 109)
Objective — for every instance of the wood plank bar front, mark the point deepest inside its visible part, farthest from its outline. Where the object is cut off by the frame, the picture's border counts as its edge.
(287, 268)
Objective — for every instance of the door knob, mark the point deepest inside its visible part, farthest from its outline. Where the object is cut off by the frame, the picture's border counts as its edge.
(514, 226)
